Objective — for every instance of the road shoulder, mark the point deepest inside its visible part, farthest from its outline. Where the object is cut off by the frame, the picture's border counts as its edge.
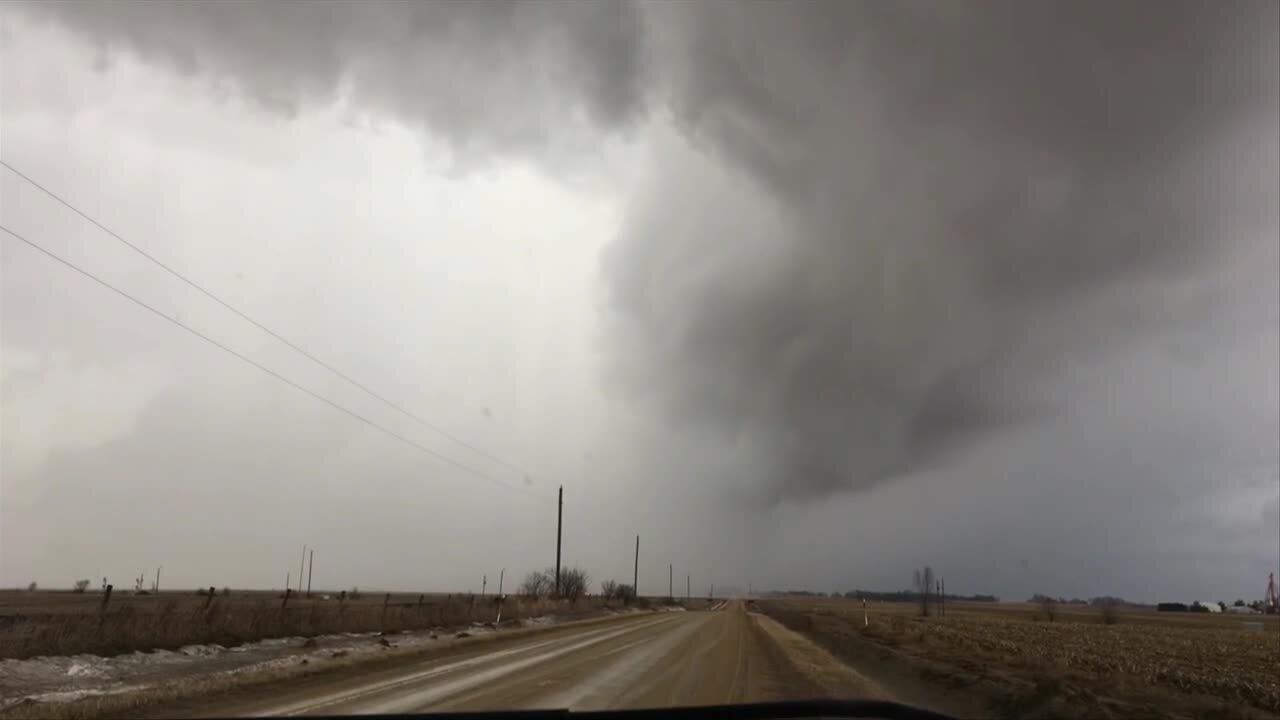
(197, 695)
(819, 667)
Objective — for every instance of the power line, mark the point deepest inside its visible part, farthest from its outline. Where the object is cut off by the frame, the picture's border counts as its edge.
(256, 364)
(265, 329)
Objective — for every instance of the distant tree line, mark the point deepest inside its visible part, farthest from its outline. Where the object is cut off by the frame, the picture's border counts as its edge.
(913, 596)
(909, 596)
(1197, 606)
(1100, 601)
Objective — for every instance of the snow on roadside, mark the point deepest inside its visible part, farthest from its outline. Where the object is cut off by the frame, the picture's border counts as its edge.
(68, 678)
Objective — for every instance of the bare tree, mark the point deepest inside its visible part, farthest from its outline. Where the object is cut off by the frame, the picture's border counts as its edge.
(1049, 608)
(542, 583)
(539, 583)
(614, 590)
(80, 586)
(573, 582)
(924, 585)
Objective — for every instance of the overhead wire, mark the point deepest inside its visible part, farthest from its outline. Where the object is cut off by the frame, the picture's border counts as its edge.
(244, 358)
(244, 316)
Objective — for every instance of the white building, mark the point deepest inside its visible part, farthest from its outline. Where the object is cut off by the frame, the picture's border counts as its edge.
(1243, 610)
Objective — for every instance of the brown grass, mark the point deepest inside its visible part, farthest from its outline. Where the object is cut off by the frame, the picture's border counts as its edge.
(173, 621)
(1142, 660)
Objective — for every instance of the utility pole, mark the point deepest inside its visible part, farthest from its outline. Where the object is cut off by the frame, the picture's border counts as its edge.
(157, 590)
(688, 587)
(484, 584)
(500, 600)
(670, 570)
(559, 527)
(287, 579)
(635, 577)
(302, 562)
(311, 564)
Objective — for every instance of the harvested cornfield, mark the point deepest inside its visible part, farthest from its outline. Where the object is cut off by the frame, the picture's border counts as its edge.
(1221, 664)
(1232, 664)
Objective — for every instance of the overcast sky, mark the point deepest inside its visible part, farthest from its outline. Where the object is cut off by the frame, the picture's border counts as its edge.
(804, 294)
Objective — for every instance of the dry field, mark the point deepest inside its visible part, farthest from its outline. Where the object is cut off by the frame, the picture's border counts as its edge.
(1017, 663)
(65, 623)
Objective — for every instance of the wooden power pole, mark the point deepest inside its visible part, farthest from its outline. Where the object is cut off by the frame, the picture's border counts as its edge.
(311, 565)
(635, 575)
(559, 527)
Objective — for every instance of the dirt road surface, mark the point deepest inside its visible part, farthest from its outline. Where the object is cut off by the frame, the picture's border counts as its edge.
(677, 658)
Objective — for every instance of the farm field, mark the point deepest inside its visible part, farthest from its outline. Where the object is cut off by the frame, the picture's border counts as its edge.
(66, 623)
(1010, 660)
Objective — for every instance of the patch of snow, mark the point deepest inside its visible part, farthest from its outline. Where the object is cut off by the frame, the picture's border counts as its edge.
(201, 650)
(79, 669)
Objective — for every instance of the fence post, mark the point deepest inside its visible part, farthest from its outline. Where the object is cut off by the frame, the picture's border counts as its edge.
(285, 603)
(209, 600)
(106, 597)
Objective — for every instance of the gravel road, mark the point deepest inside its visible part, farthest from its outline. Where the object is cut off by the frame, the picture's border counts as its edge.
(680, 658)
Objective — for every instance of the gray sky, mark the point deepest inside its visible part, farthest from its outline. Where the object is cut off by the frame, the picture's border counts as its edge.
(804, 294)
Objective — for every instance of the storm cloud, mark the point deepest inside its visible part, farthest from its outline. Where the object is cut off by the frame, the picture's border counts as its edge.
(496, 78)
(1014, 257)
(904, 214)
(907, 214)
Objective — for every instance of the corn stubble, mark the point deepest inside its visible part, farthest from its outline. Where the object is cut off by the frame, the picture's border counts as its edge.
(1141, 659)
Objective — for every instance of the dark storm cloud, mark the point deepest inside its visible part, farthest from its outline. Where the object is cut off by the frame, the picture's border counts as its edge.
(875, 232)
(929, 209)
(489, 77)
